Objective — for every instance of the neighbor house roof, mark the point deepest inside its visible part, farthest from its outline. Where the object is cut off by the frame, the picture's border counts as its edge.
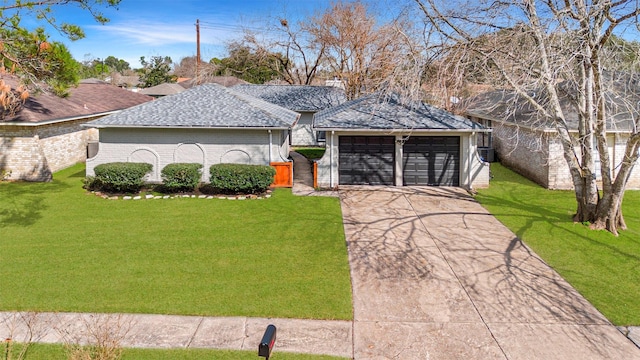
(204, 106)
(622, 99)
(388, 112)
(304, 98)
(162, 90)
(220, 80)
(91, 98)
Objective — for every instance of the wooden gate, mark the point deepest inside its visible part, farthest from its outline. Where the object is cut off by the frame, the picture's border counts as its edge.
(284, 174)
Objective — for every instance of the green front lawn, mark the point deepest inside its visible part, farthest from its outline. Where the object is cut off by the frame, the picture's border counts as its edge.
(602, 267)
(62, 249)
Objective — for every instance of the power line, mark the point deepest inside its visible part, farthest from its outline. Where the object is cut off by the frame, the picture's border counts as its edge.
(223, 26)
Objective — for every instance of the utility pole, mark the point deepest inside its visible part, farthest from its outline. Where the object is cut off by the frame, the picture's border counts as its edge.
(198, 48)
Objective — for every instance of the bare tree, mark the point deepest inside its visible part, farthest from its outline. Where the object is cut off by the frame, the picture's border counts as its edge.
(298, 60)
(202, 72)
(359, 50)
(554, 49)
(186, 67)
(346, 41)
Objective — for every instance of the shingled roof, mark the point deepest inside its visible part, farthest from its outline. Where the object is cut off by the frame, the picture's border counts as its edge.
(163, 90)
(87, 100)
(304, 98)
(204, 106)
(227, 81)
(621, 97)
(387, 112)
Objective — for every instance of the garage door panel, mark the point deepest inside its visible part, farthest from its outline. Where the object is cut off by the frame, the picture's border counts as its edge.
(432, 161)
(366, 160)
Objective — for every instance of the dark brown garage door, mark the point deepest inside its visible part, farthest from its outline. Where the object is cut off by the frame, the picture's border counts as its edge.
(431, 160)
(366, 160)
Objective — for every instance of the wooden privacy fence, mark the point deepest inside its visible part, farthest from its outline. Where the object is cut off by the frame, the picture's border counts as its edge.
(284, 174)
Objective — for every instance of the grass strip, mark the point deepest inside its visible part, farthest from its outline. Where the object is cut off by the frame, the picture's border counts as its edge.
(58, 352)
(312, 153)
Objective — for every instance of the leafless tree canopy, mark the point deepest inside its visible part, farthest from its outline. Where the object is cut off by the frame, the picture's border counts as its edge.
(358, 50)
(530, 46)
(348, 42)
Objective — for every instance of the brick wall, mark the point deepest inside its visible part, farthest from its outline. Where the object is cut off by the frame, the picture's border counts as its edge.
(539, 156)
(21, 157)
(33, 153)
(620, 141)
(522, 150)
(65, 145)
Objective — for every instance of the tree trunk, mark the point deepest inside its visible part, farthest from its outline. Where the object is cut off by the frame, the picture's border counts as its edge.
(587, 198)
(609, 216)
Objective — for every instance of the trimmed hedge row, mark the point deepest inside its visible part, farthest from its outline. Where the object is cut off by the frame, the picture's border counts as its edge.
(181, 176)
(240, 178)
(121, 177)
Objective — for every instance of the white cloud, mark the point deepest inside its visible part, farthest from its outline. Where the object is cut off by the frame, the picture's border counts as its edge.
(150, 34)
(162, 34)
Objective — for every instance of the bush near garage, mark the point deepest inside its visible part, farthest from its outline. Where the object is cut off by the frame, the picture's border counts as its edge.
(240, 178)
(179, 177)
(119, 177)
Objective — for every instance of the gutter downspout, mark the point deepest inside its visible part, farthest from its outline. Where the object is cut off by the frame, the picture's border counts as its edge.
(331, 162)
(470, 161)
(270, 146)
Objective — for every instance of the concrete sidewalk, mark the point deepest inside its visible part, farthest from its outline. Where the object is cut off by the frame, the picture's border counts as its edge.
(303, 178)
(169, 331)
(435, 276)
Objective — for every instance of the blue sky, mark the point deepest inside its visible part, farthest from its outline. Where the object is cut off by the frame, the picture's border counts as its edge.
(167, 27)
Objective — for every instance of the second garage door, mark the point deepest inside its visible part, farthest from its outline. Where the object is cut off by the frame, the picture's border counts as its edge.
(431, 160)
(366, 160)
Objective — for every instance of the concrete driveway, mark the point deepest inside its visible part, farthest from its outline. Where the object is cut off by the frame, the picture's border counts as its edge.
(437, 277)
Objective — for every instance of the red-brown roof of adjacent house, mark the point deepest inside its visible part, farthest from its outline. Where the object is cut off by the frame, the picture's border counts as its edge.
(87, 100)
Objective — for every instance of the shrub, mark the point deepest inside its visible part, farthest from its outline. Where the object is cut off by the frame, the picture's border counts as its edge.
(181, 176)
(240, 178)
(4, 174)
(121, 177)
(92, 183)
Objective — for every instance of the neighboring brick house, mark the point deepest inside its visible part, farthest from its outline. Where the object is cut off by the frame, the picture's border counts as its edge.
(381, 140)
(46, 134)
(529, 144)
(304, 99)
(207, 124)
